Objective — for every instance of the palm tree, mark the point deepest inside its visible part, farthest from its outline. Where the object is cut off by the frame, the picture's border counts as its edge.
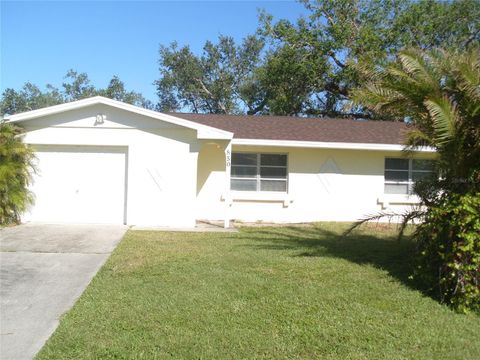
(16, 167)
(438, 93)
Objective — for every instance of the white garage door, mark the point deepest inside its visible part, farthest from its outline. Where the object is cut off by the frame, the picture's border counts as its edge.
(79, 184)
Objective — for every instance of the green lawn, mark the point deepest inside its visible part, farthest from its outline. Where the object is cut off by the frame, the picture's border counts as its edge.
(266, 292)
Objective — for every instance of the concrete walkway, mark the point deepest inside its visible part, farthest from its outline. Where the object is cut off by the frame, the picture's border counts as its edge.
(43, 271)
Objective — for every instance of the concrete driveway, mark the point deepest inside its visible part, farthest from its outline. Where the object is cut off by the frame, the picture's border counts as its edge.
(43, 271)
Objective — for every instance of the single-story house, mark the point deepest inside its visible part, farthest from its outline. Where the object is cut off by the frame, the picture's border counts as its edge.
(104, 161)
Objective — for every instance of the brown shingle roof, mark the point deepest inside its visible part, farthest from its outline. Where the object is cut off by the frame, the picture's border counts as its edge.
(303, 129)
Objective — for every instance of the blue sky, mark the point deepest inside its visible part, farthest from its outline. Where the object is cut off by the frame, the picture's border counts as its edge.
(42, 40)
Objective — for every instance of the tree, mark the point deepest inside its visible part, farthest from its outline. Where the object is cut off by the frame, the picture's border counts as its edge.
(220, 80)
(29, 98)
(16, 167)
(309, 67)
(289, 81)
(340, 34)
(439, 93)
(116, 91)
(77, 86)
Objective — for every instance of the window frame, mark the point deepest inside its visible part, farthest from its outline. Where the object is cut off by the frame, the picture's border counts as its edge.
(410, 182)
(258, 178)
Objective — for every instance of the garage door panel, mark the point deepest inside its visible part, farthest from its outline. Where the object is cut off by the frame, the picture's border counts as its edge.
(79, 184)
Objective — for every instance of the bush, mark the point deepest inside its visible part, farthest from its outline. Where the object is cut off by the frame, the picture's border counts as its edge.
(15, 174)
(449, 250)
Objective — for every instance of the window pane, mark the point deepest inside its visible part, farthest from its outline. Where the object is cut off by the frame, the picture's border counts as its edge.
(396, 164)
(420, 175)
(422, 164)
(244, 159)
(244, 171)
(273, 159)
(273, 185)
(243, 185)
(396, 175)
(396, 189)
(273, 172)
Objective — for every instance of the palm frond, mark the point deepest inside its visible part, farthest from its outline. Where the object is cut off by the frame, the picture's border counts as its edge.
(444, 116)
(415, 64)
(376, 97)
(468, 70)
(407, 217)
(417, 138)
(401, 75)
(367, 72)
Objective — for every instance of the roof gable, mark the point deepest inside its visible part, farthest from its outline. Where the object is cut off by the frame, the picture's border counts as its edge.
(203, 131)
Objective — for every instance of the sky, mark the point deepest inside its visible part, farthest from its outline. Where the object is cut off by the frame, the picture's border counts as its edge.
(42, 40)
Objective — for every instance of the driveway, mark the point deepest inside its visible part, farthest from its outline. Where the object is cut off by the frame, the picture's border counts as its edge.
(44, 269)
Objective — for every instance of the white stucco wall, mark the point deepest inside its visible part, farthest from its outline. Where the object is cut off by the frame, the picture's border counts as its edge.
(211, 182)
(161, 159)
(323, 185)
(164, 188)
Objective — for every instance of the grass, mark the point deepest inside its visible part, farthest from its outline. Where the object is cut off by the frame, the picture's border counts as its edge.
(270, 292)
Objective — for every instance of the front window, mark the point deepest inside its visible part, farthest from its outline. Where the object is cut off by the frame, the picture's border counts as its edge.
(401, 174)
(259, 172)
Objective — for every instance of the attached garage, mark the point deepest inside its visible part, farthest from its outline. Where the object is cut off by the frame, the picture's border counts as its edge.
(85, 184)
(104, 161)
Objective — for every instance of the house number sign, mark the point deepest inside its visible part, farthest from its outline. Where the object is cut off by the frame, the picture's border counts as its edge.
(229, 157)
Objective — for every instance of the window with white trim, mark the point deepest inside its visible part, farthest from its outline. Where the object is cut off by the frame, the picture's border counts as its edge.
(401, 174)
(259, 172)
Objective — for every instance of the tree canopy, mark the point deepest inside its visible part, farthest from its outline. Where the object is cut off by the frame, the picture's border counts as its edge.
(220, 80)
(309, 67)
(75, 87)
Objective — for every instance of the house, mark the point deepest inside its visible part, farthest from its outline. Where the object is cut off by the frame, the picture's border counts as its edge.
(104, 161)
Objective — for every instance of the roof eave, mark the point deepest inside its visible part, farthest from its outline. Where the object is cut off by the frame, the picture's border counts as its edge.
(326, 145)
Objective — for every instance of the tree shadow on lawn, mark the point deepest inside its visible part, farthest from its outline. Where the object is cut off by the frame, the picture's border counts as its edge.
(383, 251)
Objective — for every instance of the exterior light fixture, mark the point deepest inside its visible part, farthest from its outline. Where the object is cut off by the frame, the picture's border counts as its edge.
(100, 119)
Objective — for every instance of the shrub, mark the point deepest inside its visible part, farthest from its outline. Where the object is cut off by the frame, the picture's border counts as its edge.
(449, 250)
(16, 167)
